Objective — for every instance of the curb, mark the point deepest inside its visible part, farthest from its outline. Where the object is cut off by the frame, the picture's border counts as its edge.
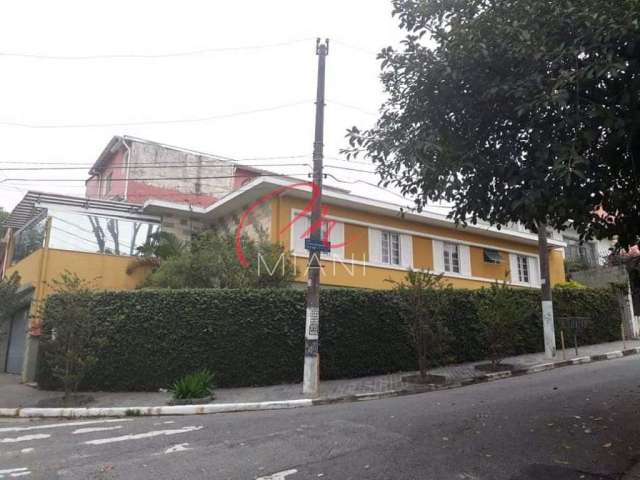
(152, 411)
(211, 408)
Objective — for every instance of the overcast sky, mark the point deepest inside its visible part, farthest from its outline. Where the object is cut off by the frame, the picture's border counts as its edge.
(38, 91)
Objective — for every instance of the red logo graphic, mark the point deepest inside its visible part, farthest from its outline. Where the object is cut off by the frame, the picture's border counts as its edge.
(317, 225)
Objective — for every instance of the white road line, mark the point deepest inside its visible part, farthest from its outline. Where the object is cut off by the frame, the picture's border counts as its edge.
(95, 429)
(15, 472)
(139, 436)
(180, 447)
(68, 424)
(25, 438)
(27, 450)
(279, 475)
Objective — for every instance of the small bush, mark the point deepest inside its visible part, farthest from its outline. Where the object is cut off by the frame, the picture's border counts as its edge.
(194, 385)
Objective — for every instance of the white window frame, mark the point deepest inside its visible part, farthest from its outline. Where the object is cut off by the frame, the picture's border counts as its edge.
(451, 258)
(531, 266)
(524, 273)
(336, 236)
(390, 248)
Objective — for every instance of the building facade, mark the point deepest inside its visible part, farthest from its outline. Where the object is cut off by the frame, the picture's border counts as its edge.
(373, 241)
(135, 170)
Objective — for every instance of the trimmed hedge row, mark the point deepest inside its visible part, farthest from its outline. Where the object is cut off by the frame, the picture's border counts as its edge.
(150, 338)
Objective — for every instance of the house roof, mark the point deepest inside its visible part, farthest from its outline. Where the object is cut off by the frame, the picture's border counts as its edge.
(117, 141)
(263, 186)
(34, 203)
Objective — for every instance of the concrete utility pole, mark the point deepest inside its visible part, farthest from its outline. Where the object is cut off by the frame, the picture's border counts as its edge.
(547, 301)
(311, 358)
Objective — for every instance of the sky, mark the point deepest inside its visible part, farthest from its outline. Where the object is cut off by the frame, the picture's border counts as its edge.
(221, 79)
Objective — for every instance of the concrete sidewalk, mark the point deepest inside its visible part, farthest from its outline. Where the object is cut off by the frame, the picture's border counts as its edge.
(13, 394)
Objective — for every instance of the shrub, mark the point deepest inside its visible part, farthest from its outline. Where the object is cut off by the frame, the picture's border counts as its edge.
(211, 261)
(194, 385)
(498, 308)
(151, 338)
(70, 335)
(422, 311)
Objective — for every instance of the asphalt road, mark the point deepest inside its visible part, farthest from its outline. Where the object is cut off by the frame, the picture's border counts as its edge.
(578, 422)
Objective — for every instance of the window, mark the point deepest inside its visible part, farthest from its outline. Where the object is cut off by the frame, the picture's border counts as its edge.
(492, 256)
(108, 184)
(390, 248)
(523, 269)
(451, 255)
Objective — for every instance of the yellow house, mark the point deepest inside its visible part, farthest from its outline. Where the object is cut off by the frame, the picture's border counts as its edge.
(49, 234)
(373, 241)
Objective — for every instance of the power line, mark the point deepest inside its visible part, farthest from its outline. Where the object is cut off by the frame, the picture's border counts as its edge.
(233, 161)
(186, 53)
(155, 165)
(352, 107)
(152, 122)
(153, 178)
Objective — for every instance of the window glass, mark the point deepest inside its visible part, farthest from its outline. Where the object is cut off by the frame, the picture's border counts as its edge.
(523, 269)
(390, 248)
(29, 239)
(83, 232)
(451, 257)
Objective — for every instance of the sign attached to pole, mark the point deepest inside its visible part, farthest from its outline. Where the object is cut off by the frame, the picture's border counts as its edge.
(323, 247)
(313, 323)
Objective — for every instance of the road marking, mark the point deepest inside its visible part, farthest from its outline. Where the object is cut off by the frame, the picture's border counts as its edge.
(139, 436)
(25, 438)
(95, 429)
(27, 450)
(279, 475)
(15, 472)
(180, 447)
(68, 424)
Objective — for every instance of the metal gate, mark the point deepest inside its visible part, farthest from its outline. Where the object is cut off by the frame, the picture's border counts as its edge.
(17, 341)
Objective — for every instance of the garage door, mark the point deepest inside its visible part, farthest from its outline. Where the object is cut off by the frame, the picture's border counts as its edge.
(17, 339)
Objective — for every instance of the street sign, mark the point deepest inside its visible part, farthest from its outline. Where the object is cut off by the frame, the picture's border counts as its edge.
(324, 247)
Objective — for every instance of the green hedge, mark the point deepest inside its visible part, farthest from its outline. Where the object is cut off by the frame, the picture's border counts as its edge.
(150, 338)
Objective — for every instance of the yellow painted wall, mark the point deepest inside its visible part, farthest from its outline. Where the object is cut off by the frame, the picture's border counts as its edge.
(28, 268)
(366, 276)
(556, 267)
(480, 268)
(104, 272)
(358, 247)
(337, 274)
(422, 253)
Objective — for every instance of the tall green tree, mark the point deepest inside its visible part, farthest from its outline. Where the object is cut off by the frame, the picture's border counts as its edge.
(515, 111)
(210, 261)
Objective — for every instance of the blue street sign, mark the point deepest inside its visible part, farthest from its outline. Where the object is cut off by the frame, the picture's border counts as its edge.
(317, 246)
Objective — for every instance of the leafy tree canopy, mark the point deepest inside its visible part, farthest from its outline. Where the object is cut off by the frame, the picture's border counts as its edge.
(515, 111)
(210, 261)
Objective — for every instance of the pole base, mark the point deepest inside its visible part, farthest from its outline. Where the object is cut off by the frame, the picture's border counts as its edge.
(311, 375)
